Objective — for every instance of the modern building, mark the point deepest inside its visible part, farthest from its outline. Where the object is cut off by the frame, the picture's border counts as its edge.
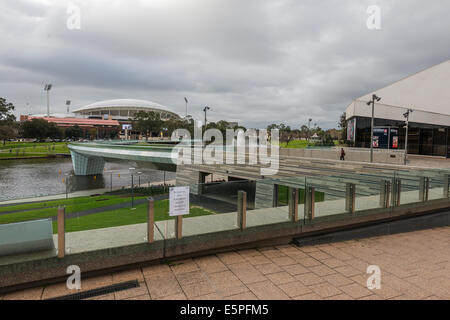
(427, 94)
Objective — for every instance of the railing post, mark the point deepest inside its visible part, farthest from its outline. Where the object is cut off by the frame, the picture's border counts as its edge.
(293, 204)
(385, 193)
(309, 202)
(151, 221)
(242, 210)
(350, 197)
(446, 185)
(396, 191)
(179, 227)
(424, 186)
(61, 232)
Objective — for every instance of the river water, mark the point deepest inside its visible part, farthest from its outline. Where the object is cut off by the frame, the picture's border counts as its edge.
(40, 177)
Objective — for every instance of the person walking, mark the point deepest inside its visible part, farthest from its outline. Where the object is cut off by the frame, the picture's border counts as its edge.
(342, 154)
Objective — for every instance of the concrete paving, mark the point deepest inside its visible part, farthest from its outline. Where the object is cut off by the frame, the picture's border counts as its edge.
(414, 265)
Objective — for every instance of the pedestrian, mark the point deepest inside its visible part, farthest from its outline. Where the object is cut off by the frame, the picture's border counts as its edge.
(342, 154)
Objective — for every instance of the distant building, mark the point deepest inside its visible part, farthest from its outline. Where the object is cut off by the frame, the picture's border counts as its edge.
(427, 93)
(107, 116)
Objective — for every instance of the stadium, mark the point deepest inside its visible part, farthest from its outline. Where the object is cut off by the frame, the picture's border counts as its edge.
(122, 109)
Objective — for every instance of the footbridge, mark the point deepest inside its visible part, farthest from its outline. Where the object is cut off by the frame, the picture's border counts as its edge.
(90, 158)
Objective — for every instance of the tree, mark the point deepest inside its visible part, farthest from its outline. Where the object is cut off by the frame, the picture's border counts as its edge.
(343, 126)
(7, 121)
(35, 129)
(148, 123)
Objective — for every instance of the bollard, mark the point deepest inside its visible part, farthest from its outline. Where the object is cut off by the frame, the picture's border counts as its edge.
(242, 210)
(309, 203)
(61, 232)
(396, 191)
(385, 193)
(179, 227)
(424, 187)
(446, 185)
(151, 221)
(350, 197)
(293, 204)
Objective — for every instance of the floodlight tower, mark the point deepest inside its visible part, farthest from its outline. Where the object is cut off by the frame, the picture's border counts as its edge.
(205, 109)
(67, 104)
(47, 88)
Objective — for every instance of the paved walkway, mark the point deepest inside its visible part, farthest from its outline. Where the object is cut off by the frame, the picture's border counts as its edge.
(414, 265)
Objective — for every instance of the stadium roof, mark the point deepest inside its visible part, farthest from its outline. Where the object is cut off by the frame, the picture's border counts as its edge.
(123, 104)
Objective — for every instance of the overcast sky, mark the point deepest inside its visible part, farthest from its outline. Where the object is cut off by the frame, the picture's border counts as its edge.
(253, 61)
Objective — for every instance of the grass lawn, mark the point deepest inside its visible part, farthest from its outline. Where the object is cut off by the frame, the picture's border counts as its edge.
(125, 216)
(30, 149)
(41, 210)
(283, 196)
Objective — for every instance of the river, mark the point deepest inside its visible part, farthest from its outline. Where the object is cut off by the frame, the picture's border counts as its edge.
(41, 177)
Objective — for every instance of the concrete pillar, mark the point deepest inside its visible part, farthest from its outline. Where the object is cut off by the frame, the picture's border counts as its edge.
(86, 165)
(396, 191)
(424, 187)
(179, 227)
(151, 221)
(293, 204)
(446, 185)
(61, 232)
(309, 203)
(242, 210)
(350, 197)
(385, 193)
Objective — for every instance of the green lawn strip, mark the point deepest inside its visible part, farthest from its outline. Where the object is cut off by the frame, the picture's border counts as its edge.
(13, 145)
(125, 216)
(75, 206)
(283, 195)
(54, 203)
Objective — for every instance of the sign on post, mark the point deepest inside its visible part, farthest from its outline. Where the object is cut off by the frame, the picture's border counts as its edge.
(178, 201)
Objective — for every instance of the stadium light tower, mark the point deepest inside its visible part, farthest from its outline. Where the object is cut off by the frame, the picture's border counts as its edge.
(47, 88)
(186, 100)
(406, 115)
(372, 102)
(67, 104)
(205, 109)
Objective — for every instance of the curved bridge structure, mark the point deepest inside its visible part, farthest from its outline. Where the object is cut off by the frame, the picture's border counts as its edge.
(89, 158)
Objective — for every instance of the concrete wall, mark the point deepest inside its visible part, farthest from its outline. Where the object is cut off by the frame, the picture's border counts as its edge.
(351, 154)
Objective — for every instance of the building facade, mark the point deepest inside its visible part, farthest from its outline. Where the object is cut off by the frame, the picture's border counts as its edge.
(427, 94)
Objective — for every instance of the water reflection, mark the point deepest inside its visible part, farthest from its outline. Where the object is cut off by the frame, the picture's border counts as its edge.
(41, 177)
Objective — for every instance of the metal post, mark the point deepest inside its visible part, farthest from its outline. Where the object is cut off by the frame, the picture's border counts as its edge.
(110, 183)
(132, 191)
(424, 186)
(350, 196)
(242, 210)
(385, 193)
(179, 227)
(446, 185)
(293, 204)
(61, 232)
(151, 221)
(406, 140)
(396, 191)
(309, 202)
(371, 130)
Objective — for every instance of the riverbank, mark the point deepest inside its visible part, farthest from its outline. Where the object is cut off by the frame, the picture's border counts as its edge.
(33, 150)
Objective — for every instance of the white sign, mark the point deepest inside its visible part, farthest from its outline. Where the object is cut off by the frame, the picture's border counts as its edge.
(178, 201)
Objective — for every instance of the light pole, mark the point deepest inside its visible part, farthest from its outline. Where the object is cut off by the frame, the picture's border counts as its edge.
(47, 88)
(372, 102)
(205, 109)
(309, 128)
(406, 115)
(186, 100)
(68, 104)
(132, 187)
